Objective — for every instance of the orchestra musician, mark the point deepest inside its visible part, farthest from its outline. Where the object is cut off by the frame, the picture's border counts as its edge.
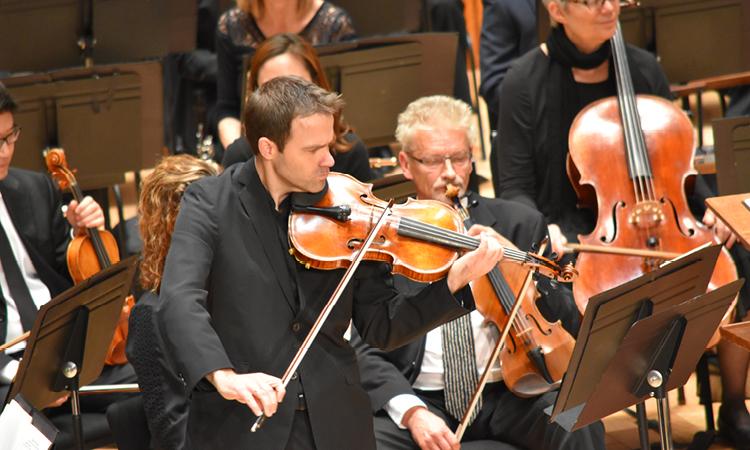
(234, 304)
(406, 385)
(288, 54)
(541, 95)
(242, 28)
(34, 238)
(165, 402)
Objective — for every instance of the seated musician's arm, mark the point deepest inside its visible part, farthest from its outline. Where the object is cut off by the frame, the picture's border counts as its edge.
(388, 388)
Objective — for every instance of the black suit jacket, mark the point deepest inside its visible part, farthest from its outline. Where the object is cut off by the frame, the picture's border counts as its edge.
(34, 204)
(384, 374)
(508, 31)
(227, 300)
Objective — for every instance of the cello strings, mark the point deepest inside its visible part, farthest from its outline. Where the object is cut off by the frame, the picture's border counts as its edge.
(619, 76)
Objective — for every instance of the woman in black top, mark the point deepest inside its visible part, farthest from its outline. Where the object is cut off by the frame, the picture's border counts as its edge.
(288, 54)
(165, 400)
(243, 28)
(542, 94)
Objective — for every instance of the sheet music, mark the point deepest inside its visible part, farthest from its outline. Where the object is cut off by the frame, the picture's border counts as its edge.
(23, 429)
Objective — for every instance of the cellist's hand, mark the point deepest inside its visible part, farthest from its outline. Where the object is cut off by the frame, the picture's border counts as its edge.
(557, 240)
(722, 233)
(87, 214)
(478, 262)
(428, 430)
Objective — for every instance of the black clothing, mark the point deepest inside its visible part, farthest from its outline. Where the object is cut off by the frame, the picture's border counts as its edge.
(387, 374)
(528, 155)
(355, 161)
(506, 417)
(447, 16)
(227, 301)
(34, 203)
(508, 31)
(238, 35)
(165, 400)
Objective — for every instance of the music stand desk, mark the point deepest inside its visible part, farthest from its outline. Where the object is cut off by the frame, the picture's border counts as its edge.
(732, 210)
(659, 321)
(737, 333)
(102, 295)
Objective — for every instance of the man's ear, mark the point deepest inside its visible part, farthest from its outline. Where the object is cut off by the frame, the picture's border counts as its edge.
(267, 148)
(405, 163)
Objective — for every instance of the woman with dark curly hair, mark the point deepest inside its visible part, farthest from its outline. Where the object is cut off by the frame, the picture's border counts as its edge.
(164, 399)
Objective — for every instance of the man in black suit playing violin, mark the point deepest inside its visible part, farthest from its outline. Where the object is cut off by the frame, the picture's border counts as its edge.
(410, 388)
(235, 304)
(34, 241)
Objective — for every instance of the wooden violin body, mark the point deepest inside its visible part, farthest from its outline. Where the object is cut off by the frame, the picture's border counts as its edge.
(537, 352)
(421, 238)
(90, 253)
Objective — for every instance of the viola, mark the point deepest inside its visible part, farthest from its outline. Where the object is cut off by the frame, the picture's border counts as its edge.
(632, 157)
(421, 239)
(90, 253)
(537, 352)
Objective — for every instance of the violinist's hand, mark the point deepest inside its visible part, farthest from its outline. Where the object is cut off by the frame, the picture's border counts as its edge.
(478, 262)
(87, 214)
(557, 240)
(428, 430)
(261, 392)
(722, 233)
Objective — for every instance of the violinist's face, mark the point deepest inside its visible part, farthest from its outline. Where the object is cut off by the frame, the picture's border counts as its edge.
(6, 151)
(283, 65)
(306, 160)
(449, 145)
(587, 26)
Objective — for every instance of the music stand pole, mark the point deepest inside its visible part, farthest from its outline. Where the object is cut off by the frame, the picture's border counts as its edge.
(68, 376)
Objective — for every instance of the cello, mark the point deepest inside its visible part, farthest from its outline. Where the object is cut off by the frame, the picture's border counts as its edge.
(90, 253)
(636, 154)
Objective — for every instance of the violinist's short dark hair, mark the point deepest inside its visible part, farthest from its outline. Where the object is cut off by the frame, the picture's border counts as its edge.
(270, 110)
(7, 104)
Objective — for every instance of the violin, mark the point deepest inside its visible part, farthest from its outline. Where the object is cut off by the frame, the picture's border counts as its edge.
(421, 239)
(90, 253)
(537, 352)
(635, 154)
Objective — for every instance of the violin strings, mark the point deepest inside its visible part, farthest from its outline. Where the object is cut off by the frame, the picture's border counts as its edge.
(429, 231)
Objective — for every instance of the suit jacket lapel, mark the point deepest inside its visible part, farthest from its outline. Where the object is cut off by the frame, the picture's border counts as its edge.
(19, 208)
(265, 228)
(479, 213)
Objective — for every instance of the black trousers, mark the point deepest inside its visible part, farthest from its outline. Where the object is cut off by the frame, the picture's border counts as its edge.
(505, 422)
(301, 437)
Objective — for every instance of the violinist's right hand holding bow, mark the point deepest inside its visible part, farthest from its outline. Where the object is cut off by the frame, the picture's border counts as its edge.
(262, 393)
(478, 262)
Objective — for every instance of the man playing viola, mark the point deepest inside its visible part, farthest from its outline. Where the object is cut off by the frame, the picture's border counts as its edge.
(235, 304)
(33, 243)
(409, 389)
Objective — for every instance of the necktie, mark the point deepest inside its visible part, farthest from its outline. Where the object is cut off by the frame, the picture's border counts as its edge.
(460, 367)
(16, 284)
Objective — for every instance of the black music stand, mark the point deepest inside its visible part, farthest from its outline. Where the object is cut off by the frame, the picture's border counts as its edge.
(642, 339)
(70, 339)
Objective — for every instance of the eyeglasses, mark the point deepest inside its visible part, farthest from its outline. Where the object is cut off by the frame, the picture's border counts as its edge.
(11, 137)
(591, 3)
(433, 162)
